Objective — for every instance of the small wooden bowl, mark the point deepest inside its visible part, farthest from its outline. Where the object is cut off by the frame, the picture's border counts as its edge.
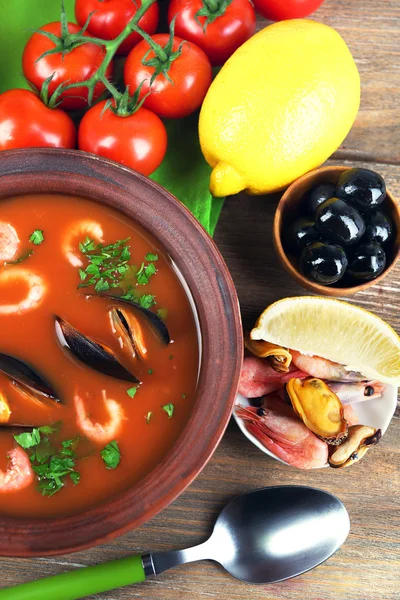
(72, 172)
(287, 210)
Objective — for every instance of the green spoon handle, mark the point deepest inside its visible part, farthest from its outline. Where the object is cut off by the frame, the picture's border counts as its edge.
(80, 583)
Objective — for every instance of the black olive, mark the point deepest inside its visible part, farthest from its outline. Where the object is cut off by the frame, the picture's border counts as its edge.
(301, 233)
(318, 195)
(323, 263)
(339, 222)
(366, 262)
(378, 229)
(363, 188)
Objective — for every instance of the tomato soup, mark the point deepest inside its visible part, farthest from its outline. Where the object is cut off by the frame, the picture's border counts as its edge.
(94, 389)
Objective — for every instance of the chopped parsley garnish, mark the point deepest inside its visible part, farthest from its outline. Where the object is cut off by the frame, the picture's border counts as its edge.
(51, 466)
(146, 301)
(170, 357)
(183, 396)
(148, 416)
(37, 237)
(151, 257)
(132, 391)
(150, 371)
(111, 455)
(169, 409)
(145, 273)
(20, 258)
(107, 266)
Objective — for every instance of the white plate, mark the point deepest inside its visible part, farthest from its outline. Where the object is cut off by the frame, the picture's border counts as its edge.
(377, 413)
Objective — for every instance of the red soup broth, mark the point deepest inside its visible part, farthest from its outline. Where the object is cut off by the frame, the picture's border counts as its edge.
(145, 428)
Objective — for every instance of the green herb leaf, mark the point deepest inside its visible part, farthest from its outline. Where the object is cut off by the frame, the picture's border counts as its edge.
(147, 300)
(151, 257)
(111, 455)
(150, 371)
(37, 237)
(170, 357)
(148, 416)
(145, 273)
(28, 439)
(183, 396)
(132, 391)
(162, 313)
(169, 409)
(20, 258)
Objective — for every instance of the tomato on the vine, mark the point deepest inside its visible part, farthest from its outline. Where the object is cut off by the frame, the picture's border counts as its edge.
(72, 66)
(276, 10)
(26, 122)
(189, 73)
(111, 16)
(218, 27)
(138, 141)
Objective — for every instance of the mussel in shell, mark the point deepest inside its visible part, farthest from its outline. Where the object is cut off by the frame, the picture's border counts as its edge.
(359, 440)
(279, 358)
(128, 328)
(157, 324)
(319, 408)
(91, 353)
(29, 381)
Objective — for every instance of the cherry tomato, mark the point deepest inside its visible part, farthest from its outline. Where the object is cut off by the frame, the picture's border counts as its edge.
(191, 76)
(26, 122)
(138, 141)
(223, 35)
(76, 65)
(111, 16)
(279, 10)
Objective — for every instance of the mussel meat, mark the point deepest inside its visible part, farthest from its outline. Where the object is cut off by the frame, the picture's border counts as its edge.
(359, 440)
(5, 411)
(26, 379)
(91, 353)
(279, 358)
(128, 328)
(319, 408)
(157, 324)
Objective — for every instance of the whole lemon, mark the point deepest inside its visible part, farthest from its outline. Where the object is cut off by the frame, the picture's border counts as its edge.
(279, 107)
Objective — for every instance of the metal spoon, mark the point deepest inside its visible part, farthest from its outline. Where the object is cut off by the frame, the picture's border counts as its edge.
(264, 536)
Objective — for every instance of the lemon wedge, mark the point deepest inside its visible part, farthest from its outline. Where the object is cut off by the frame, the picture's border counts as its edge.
(335, 330)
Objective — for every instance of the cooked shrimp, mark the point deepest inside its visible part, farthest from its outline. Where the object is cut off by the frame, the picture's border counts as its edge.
(77, 233)
(37, 290)
(350, 415)
(95, 431)
(321, 368)
(350, 393)
(19, 475)
(277, 427)
(258, 378)
(9, 242)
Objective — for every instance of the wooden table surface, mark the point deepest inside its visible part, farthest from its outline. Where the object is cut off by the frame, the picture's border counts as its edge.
(367, 567)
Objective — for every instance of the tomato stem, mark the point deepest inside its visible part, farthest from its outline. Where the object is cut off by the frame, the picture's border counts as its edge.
(71, 41)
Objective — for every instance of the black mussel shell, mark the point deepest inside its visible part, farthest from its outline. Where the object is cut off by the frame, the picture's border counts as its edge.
(91, 353)
(20, 372)
(362, 188)
(158, 324)
(317, 196)
(339, 222)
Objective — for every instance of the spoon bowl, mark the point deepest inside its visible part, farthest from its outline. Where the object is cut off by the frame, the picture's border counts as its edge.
(264, 536)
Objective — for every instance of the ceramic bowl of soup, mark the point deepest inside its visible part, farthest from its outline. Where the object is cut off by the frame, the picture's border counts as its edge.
(120, 350)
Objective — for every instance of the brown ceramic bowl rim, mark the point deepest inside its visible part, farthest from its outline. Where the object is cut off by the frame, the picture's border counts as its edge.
(286, 262)
(77, 173)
